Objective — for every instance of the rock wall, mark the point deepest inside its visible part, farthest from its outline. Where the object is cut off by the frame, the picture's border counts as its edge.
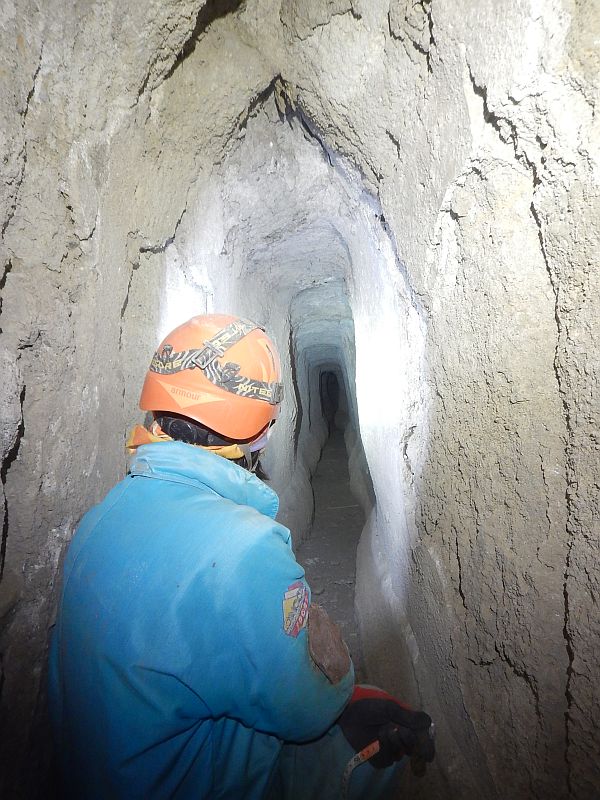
(425, 176)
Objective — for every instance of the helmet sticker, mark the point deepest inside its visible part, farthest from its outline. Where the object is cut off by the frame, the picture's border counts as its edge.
(187, 397)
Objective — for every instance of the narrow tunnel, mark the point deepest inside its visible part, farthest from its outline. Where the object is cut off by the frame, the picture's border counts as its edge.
(329, 552)
(405, 195)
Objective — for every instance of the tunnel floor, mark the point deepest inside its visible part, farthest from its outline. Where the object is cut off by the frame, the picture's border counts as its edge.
(329, 554)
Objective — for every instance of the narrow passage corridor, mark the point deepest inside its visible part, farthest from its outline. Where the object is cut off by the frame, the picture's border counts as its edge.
(329, 554)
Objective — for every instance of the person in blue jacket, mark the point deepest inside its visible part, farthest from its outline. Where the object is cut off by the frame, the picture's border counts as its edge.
(187, 660)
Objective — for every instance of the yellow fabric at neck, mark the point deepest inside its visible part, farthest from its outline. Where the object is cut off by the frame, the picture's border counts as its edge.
(140, 435)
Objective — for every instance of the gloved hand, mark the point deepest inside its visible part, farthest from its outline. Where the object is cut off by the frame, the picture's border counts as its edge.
(373, 714)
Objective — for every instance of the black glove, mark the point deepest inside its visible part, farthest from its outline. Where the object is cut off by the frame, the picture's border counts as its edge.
(372, 714)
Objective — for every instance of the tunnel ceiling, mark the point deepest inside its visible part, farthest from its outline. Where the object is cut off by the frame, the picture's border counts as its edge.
(286, 208)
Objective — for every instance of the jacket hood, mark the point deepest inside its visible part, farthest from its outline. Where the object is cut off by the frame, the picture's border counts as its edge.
(185, 463)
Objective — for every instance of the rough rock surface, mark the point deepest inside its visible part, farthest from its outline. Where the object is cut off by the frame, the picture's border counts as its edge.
(407, 192)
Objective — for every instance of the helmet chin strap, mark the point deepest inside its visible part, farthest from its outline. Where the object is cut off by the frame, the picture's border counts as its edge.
(251, 464)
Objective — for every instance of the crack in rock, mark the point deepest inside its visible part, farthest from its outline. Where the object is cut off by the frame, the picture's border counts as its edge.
(257, 102)
(7, 269)
(570, 469)
(23, 152)
(522, 673)
(302, 22)
(7, 463)
(160, 248)
(155, 249)
(33, 85)
(210, 12)
(459, 563)
(413, 24)
(506, 129)
(294, 375)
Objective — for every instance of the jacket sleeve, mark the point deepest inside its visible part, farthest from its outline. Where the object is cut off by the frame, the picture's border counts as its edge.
(268, 679)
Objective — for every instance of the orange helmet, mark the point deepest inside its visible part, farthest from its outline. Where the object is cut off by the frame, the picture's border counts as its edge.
(221, 371)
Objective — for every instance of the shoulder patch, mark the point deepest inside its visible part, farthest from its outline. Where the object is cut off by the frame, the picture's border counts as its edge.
(295, 608)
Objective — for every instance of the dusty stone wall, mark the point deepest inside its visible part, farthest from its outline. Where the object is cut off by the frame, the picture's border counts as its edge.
(71, 222)
(461, 141)
(476, 124)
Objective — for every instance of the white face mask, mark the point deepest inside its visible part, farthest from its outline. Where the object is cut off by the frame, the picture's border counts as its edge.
(262, 442)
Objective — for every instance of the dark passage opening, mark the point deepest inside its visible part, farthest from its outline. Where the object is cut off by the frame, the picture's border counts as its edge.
(328, 555)
(330, 397)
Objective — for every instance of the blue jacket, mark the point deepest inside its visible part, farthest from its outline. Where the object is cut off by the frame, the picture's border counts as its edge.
(179, 661)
